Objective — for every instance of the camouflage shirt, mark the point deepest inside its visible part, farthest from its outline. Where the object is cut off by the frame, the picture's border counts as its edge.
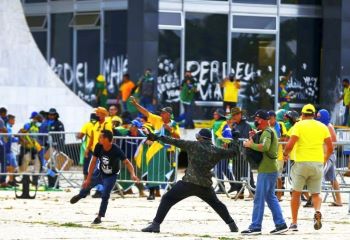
(202, 157)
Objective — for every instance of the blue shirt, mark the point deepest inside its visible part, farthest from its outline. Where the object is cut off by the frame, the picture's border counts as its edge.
(277, 128)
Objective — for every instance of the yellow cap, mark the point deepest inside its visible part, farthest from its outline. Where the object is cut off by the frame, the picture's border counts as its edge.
(100, 78)
(308, 109)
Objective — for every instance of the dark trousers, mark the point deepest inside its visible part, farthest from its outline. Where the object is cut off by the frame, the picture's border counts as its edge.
(108, 182)
(346, 116)
(183, 190)
(188, 116)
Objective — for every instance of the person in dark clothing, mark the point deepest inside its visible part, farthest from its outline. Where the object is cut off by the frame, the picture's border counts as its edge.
(110, 156)
(240, 168)
(55, 125)
(202, 157)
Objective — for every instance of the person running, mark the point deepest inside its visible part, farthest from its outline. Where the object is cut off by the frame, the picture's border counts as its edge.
(308, 136)
(202, 157)
(110, 156)
(267, 177)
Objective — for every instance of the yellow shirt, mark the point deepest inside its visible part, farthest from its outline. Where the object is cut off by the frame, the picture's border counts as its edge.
(292, 154)
(157, 123)
(280, 146)
(311, 134)
(346, 96)
(87, 130)
(97, 129)
(231, 91)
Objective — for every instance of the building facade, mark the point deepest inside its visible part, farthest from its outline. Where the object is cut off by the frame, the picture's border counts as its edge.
(260, 41)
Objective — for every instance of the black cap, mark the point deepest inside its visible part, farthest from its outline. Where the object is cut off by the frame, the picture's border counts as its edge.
(168, 110)
(262, 114)
(220, 112)
(271, 113)
(52, 111)
(204, 133)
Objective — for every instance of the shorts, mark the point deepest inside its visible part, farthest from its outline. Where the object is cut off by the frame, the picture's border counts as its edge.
(309, 174)
(11, 160)
(329, 169)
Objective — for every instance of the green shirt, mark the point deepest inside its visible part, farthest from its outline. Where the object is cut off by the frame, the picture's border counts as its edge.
(269, 162)
(187, 93)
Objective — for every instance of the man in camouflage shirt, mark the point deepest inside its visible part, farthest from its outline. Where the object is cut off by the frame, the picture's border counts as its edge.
(202, 157)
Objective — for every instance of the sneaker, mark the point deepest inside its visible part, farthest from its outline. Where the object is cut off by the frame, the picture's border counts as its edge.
(97, 221)
(152, 228)
(251, 232)
(293, 227)
(97, 194)
(75, 199)
(280, 229)
(233, 227)
(317, 220)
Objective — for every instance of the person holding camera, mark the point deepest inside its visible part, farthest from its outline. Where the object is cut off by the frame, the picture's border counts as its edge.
(202, 157)
(267, 177)
(231, 86)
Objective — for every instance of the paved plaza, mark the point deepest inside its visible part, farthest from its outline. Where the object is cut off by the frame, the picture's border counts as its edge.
(51, 216)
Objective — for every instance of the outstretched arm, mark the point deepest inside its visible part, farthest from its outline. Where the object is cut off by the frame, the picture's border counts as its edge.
(139, 107)
(183, 144)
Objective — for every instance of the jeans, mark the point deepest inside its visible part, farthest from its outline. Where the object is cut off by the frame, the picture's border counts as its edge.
(183, 190)
(108, 182)
(188, 116)
(265, 191)
(346, 116)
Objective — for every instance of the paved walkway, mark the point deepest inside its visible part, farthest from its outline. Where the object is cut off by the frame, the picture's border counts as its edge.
(51, 216)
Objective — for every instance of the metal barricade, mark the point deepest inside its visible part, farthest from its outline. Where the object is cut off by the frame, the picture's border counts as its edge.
(65, 156)
(234, 171)
(22, 162)
(155, 164)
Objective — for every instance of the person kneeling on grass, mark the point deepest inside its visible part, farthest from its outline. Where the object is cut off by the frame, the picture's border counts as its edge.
(202, 157)
(110, 156)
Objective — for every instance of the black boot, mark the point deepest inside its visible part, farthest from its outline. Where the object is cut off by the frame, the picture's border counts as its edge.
(233, 227)
(152, 228)
(151, 194)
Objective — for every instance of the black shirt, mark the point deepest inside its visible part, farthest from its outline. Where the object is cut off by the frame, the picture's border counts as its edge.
(109, 160)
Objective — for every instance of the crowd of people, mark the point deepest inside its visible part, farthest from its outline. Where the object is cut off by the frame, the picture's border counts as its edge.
(32, 145)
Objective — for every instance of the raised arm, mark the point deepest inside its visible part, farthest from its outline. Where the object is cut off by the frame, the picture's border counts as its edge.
(139, 108)
(183, 144)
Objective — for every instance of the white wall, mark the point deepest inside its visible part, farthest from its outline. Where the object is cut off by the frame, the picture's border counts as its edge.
(27, 83)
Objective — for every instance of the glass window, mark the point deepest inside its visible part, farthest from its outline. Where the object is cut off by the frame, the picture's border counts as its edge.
(169, 68)
(252, 22)
(206, 58)
(62, 48)
(41, 40)
(253, 63)
(306, 2)
(256, 1)
(300, 53)
(115, 48)
(170, 18)
(37, 22)
(85, 20)
(88, 64)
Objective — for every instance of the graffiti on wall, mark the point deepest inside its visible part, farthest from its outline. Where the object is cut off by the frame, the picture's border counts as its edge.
(168, 81)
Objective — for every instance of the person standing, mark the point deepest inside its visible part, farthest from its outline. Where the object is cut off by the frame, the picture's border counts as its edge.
(146, 86)
(202, 157)
(110, 156)
(2, 151)
(329, 170)
(160, 156)
(125, 89)
(240, 125)
(346, 100)
(101, 91)
(309, 136)
(12, 165)
(267, 177)
(188, 90)
(231, 87)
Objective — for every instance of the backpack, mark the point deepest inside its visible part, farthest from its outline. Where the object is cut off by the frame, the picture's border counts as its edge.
(253, 157)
